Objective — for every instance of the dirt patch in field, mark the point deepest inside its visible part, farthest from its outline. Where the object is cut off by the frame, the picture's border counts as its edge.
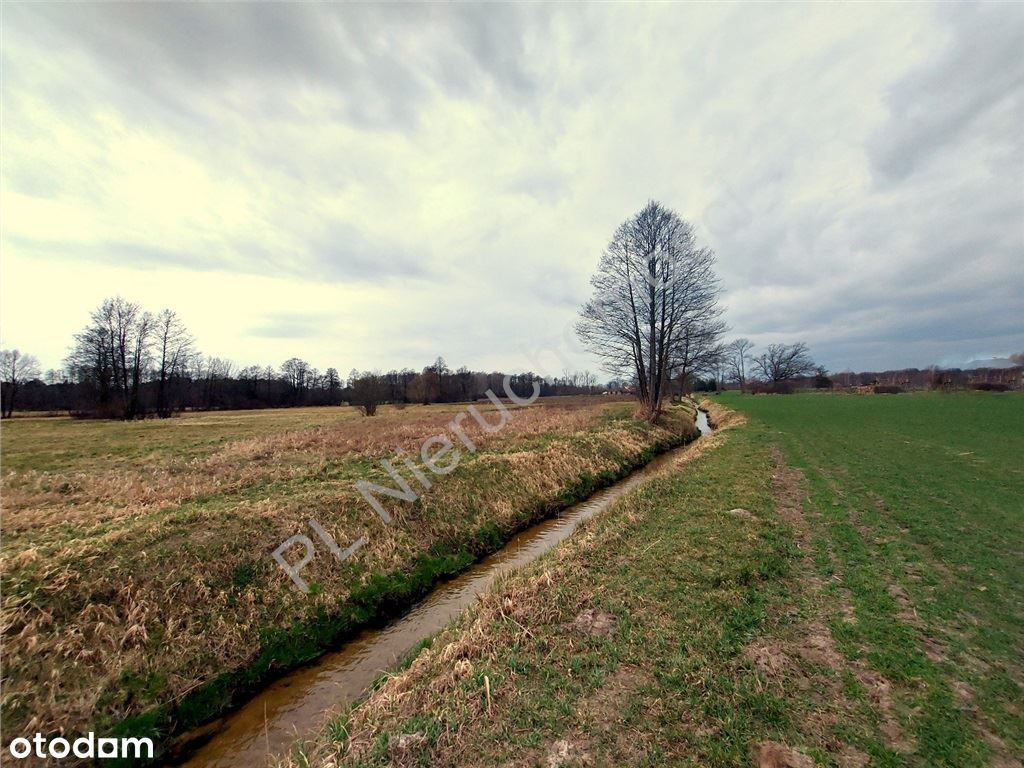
(879, 691)
(934, 649)
(742, 514)
(606, 704)
(599, 717)
(845, 607)
(769, 658)
(771, 754)
(789, 494)
(594, 623)
(406, 749)
(1001, 757)
(565, 753)
(907, 612)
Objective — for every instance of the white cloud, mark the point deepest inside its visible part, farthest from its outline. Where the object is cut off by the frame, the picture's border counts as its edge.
(374, 186)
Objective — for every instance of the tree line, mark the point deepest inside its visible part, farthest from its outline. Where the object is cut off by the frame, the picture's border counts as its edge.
(781, 368)
(128, 363)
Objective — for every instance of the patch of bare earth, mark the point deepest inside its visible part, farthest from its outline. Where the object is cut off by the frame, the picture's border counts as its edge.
(771, 754)
(405, 749)
(594, 623)
(1001, 757)
(599, 738)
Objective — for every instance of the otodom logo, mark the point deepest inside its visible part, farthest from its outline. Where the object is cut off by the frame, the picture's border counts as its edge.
(87, 746)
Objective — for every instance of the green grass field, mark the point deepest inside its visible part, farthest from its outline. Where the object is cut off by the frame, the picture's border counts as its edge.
(921, 504)
(835, 582)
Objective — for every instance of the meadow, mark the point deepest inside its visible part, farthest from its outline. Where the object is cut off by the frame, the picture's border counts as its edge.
(139, 593)
(826, 580)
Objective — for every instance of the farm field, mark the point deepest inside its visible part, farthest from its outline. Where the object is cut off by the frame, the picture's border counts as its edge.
(827, 580)
(139, 593)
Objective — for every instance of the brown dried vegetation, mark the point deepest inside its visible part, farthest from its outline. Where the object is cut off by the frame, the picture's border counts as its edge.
(130, 579)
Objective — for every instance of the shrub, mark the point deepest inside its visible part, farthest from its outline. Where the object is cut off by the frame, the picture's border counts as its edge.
(988, 386)
(773, 388)
(887, 389)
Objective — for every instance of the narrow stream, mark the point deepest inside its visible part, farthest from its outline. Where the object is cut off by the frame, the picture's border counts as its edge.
(295, 704)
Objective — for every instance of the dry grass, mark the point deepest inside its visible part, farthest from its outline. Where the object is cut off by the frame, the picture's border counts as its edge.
(546, 610)
(134, 577)
(93, 494)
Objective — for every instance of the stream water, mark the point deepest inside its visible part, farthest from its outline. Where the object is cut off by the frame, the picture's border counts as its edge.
(294, 705)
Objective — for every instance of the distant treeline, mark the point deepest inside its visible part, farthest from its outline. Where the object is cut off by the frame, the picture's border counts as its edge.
(885, 382)
(213, 385)
(936, 378)
(128, 363)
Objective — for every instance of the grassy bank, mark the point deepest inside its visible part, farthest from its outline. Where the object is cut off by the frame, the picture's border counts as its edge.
(834, 582)
(139, 592)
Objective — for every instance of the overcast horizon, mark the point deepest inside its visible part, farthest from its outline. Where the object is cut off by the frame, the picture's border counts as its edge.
(374, 186)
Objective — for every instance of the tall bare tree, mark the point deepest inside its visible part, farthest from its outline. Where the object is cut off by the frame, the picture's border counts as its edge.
(15, 370)
(784, 361)
(298, 373)
(113, 354)
(333, 384)
(739, 357)
(653, 291)
(173, 351)
(698, 350)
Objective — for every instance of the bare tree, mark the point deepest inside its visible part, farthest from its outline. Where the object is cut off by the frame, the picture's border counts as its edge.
(15, 370)
(299, 375)
(140, 351)
(698, 350)
(652, 288)
(784, 361)
(173, 350)
(333, 383)
(739, 356)
(113, 353)
(212, 374)
(91, 362)
(367, 390)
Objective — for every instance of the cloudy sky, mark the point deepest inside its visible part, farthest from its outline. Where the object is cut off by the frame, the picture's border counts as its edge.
(373, 186)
